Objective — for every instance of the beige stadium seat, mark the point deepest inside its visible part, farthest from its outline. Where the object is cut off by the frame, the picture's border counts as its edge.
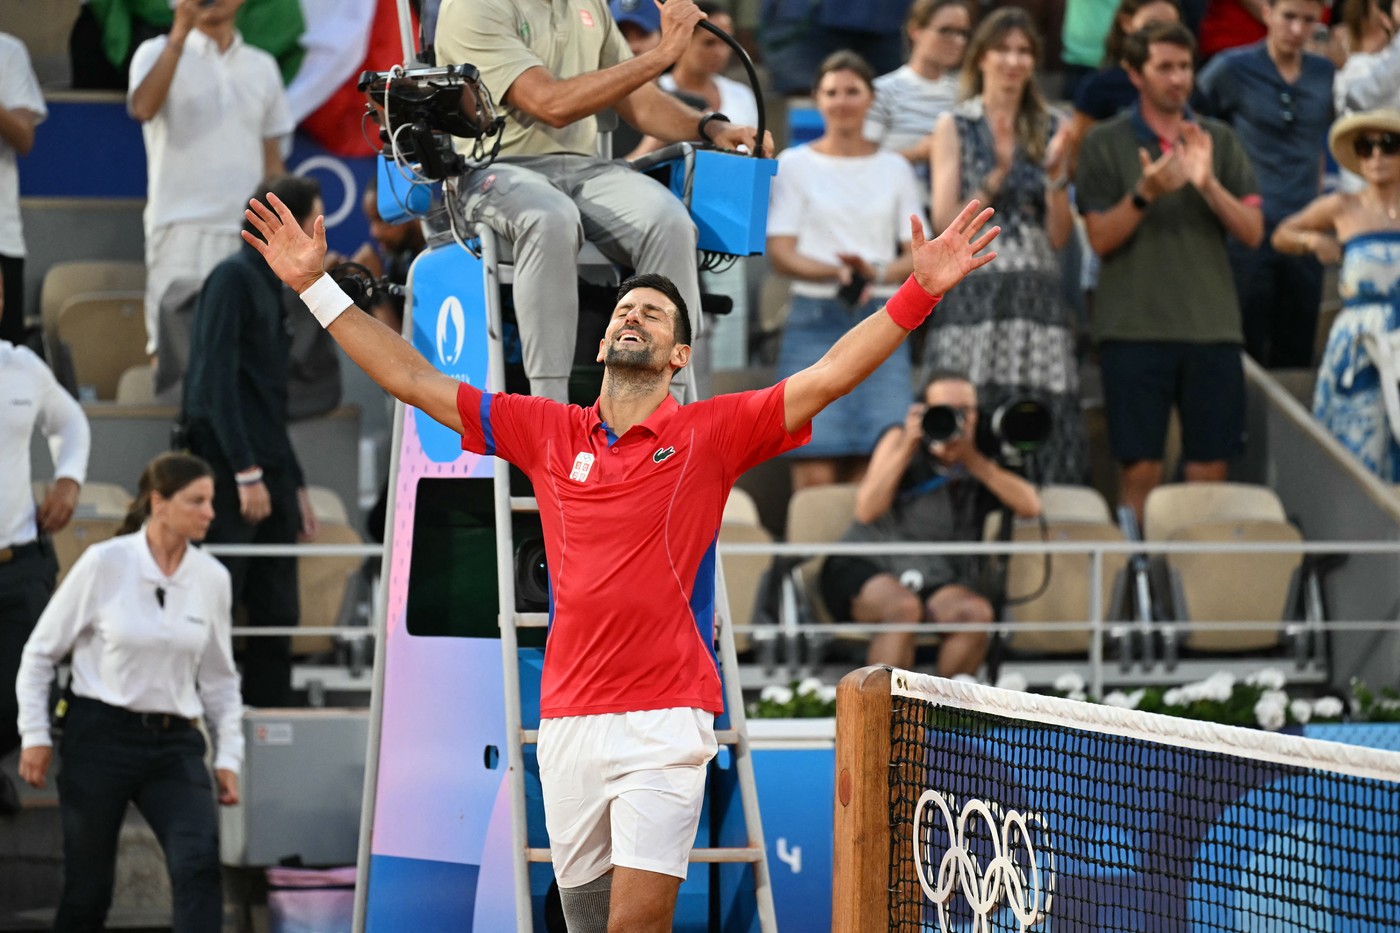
(743, 574)
(105, 333)
(1216, 587)
(740, 509)
(137, 386)
(1072, 513)
(327, 505)
(819, 515)
(64, 280)
(77, 536)
(324, 584)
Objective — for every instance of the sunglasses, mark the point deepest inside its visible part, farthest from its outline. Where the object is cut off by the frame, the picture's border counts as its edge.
(1387, 143)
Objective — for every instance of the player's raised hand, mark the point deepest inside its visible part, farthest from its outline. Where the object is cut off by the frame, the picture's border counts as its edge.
(297, 259)
(943, 262)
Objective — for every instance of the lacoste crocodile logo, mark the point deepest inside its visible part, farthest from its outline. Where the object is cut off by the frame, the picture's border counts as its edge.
(662, 453)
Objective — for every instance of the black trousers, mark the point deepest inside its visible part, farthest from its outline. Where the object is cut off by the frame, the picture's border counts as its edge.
(266, 587)
(12, 315)
(1279, 300)
(26, 583)
(111, 757)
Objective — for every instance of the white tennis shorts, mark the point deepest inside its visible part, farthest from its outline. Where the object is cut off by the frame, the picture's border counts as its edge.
(624, 789)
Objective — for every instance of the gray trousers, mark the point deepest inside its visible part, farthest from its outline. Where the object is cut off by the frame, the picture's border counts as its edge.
(546, 207)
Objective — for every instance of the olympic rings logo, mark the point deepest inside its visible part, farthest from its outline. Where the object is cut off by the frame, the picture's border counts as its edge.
(1013, 872)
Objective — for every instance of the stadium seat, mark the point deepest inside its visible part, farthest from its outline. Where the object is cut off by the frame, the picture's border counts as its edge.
(744, 574)
(740, 509)
(101, 509)
(137, 386)
(327, 505)
(65, 280)
(323, 584)
(1216, 587)
(105, 334)
(1072, 513)
(818, 515)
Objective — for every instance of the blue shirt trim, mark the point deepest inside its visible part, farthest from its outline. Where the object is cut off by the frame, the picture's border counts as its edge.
(702, 599)
(487, 436)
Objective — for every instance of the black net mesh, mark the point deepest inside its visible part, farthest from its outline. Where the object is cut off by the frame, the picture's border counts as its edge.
(1019, 821)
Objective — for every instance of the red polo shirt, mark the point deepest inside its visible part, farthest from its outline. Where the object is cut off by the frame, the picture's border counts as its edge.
(630, 525)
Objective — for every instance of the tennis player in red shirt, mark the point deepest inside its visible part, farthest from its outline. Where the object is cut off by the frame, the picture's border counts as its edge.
(631, 491)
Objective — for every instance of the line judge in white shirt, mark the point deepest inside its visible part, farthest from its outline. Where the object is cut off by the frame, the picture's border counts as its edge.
(30, 398)
(147, 619)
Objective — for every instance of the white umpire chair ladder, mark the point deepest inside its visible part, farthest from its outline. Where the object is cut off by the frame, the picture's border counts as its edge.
(499, 271)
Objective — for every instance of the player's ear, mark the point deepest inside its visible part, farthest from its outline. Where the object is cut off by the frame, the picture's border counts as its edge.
(601, 342)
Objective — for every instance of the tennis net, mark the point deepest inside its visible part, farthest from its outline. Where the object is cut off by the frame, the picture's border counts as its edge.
(962, 807)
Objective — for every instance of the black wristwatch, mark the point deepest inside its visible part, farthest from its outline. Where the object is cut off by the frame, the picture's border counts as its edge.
(705, 121)
(1139, 201)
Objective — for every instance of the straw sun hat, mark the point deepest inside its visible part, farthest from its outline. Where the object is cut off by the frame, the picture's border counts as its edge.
(1344, 132)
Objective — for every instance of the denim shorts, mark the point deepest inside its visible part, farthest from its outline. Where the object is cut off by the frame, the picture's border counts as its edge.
(849, 426)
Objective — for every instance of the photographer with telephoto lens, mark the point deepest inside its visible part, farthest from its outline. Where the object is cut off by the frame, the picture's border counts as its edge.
(928, 481)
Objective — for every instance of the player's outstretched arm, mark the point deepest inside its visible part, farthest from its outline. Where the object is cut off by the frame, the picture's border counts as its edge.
(939, 264)
(386, 357)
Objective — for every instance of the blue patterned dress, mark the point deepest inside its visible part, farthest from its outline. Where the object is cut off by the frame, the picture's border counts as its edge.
(1348, 399)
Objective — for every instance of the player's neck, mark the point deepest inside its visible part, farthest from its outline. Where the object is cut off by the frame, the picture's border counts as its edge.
(630, 396)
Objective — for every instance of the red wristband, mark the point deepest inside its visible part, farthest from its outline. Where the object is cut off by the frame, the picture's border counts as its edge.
(911, 305)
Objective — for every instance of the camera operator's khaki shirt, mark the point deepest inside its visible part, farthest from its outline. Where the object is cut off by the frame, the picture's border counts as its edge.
(505, 38)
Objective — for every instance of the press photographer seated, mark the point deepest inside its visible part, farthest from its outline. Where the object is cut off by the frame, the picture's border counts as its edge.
(925, 489)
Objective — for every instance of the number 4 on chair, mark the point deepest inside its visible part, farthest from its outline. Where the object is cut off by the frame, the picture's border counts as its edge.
(792, 858)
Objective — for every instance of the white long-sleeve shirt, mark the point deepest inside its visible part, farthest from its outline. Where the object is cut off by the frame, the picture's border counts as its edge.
(131, 652)
(30, 397)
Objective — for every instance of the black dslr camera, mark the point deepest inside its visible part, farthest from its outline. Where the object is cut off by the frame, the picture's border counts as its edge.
(1023, 424)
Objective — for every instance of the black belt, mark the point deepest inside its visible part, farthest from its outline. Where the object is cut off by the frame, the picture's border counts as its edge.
(20, 551)
(152, 722)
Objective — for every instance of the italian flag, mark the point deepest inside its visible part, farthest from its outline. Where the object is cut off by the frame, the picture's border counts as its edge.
(321, 46)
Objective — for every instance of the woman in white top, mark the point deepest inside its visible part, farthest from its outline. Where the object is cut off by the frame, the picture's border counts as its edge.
(146, 618)
(838, 226)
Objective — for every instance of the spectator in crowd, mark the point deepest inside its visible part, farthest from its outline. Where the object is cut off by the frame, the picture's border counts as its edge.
(1370, 78)
(921, 490)
(1362, 230)
(549, 191)
(1228, 24)
(1010, 329)
(212, 114)
(388, 255)
(838, 226)
(640, 23)
(697, 76)
(21, 110)
(1108, 91)
(1084, 36)
(30, 398)
(1278, 99)
(798, 36)
(910, 99)
(235, 417)
(146, 618)
(1160, 192)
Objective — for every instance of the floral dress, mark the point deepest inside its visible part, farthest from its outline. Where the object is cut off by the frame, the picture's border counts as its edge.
(1006, 325)
(1347, 399)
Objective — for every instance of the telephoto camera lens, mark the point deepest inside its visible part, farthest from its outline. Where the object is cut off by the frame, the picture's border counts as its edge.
(531, 575)
(1023, 423)
(942, 423)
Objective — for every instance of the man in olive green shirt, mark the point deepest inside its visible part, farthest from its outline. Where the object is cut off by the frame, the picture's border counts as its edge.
(554, 65)
(1160, 190)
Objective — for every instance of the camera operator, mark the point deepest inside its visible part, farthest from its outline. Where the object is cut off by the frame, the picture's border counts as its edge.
(927, 482)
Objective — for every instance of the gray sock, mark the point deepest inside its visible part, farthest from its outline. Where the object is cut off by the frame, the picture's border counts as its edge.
(586, 906)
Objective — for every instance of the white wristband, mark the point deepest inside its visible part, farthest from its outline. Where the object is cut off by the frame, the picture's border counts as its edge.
(326, 299)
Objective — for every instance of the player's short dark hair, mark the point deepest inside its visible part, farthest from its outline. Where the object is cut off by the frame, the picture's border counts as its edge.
(298, 192)
(1137, 48)
(666, 287)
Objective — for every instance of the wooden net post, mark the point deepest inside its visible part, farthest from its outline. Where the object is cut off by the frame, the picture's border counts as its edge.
(861, 859)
